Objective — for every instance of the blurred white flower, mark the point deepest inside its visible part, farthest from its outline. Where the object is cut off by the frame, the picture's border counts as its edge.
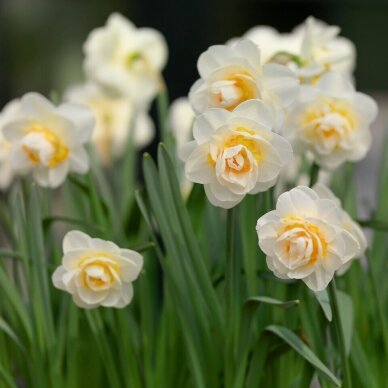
(322, 50)
(310, 50)
(305, 238)
(233, 74)
(97, 272)
(271, 43)
(47, 141)
(235, 153)
(181, 117)
(8, 113)
(126, 60)
(332, 121)
(347, 222)
(114, 120)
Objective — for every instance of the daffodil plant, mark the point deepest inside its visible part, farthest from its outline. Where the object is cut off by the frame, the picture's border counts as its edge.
(229, 262)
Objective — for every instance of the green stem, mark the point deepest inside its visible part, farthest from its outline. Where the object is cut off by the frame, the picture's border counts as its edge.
(162, 104)
(314, 172)
(379, 306)
(232, 273)
(347, 381)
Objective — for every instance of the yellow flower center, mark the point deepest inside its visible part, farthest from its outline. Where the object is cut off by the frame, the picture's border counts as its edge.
(303, 239)
(241, 159)
(98, 274)
(60, 151)
(329, 120)
(233, 88)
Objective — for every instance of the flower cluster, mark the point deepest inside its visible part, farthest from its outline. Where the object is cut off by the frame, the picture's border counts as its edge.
(256, 97)
(123, 67)
(310, 50)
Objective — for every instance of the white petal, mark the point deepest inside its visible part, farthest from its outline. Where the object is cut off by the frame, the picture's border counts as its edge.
(297, 203)
(225, 204)
(82, 117)
(57, 278)
(208, 122)
(213, 58)
(336, 85)
(198, 168)
(256, 111)
(57, 175)
(79, 160)
(319, 279)
(76, 239)
(367, 106)
(35, 105)
(282, 82)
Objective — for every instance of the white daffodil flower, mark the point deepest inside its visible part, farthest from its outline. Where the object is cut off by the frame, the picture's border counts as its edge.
(235, 153)
(305, 238)
(322, 50)
(97, 272)
(115, 117)
(310, 50)
(233, 74)
(126, 60)
(347, 222)
(181, 118)
(47, 141)
(9, 113)
(332, 121)
(272, 43)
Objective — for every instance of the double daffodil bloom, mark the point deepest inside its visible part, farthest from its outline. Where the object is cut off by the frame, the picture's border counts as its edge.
(126, 60)
(97, 272)
(307, 237)
(332, 121)
(233, 74)
(116, 117)
(48, 141)
(235, 153)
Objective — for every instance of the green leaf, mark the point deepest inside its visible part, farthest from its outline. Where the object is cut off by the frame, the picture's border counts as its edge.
(12, 335)
(345, 305)
(300, 347)
(250, 307)
(256, 300)
(324, 302)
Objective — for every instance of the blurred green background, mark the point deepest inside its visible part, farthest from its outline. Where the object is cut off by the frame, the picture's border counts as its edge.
(41, 40)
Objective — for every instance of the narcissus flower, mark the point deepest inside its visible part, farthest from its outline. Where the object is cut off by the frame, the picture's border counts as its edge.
(305, 238)
(310, 50)
(8, 113)
(332, 121)
(97, 272)
(47, 141)
(233, 74)
(126, 60)
(322, 50)
(235, 153)
(115, 117)
(272, 43)
(181, 117)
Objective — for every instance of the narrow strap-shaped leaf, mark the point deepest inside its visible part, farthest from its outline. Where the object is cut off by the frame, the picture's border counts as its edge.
(250, 307)
(302, 349)
(324, 302)
(12, 335)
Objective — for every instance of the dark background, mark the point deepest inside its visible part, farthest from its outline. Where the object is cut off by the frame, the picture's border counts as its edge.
(41, 40)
